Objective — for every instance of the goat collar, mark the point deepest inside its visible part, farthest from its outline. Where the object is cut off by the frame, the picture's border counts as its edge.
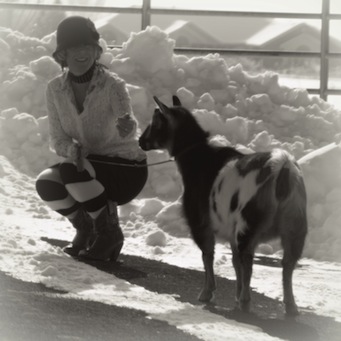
(187, 150)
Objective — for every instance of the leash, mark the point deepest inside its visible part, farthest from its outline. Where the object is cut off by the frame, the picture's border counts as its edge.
(185, 151)
(135, 165)
(80, 162)
(80, 165)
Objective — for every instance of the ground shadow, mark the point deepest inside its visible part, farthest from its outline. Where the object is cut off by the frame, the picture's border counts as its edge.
(184, 284)
(115, 268)
(293, 329)
(30, 311)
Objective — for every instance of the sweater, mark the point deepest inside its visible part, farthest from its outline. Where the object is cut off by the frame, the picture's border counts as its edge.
(95, 127)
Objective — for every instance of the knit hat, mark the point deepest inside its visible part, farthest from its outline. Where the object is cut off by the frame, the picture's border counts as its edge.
(74, 31)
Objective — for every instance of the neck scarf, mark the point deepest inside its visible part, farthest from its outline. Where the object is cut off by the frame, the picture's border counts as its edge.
(85, 77)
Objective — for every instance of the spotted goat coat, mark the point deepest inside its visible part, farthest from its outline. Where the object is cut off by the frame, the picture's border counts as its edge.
(244, 199)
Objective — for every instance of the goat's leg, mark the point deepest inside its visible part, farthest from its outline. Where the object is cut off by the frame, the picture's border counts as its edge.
(292, 252)
(246, 260)
(205, 241)
(237, 268)
(288, 296)
(207, 293)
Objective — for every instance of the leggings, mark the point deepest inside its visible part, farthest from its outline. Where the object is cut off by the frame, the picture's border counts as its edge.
(64, 189)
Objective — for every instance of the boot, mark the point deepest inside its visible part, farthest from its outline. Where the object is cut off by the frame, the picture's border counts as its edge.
(84, 233)
(109, 237)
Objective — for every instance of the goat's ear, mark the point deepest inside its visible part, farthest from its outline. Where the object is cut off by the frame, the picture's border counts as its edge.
(176, 101)
(163, 107)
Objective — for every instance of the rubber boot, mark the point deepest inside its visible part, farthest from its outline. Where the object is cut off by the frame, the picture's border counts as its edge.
(84, 233)
(109, 237)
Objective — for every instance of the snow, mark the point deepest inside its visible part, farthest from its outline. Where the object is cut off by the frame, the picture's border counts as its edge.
(251, 112)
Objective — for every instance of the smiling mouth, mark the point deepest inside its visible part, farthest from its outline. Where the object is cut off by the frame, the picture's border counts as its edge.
(81, 60)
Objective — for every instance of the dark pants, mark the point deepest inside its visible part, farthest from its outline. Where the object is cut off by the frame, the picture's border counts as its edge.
(64, 188)
(122, 179)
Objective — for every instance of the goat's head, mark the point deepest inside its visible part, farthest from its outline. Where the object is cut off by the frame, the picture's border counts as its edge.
(157, 134)
(172, 128)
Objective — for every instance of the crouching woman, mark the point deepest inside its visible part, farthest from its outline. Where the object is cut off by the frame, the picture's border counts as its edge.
(91, 125)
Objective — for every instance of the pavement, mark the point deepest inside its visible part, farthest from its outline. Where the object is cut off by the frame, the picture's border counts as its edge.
(30, 311)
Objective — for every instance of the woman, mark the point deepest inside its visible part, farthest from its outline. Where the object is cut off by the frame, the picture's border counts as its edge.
(91, 125)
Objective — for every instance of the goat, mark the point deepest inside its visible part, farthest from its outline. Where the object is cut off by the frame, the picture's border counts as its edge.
(244, 199)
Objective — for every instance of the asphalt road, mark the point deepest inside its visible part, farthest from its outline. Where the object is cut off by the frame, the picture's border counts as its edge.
(31, 311)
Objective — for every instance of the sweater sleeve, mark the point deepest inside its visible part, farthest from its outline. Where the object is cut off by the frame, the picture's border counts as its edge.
(60, 142)
(121, 104)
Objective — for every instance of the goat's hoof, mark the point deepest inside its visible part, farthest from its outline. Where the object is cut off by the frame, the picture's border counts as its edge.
(244, 306)
(291, 310)
(206, 296)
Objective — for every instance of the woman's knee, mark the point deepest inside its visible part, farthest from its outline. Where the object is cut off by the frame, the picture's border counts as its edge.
(49, 184)
(51, 174)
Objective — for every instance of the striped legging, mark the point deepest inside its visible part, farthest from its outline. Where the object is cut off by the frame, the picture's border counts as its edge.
(64, 189)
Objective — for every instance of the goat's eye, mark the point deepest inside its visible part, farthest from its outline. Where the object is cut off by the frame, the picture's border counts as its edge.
(157, 123)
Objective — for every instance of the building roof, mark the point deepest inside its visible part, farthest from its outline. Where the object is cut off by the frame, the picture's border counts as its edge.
(182, 31)
(283, 33)
(109, 30)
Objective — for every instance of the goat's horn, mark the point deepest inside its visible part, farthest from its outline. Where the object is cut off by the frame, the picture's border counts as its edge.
(163, 107)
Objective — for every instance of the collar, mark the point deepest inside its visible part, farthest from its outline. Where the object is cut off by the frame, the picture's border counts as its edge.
(187, 150)
(97, 78)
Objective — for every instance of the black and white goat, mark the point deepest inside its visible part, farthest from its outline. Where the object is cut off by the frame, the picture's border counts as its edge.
(245, 199)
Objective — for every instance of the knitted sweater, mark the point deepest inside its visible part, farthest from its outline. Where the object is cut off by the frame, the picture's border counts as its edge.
(95, 128)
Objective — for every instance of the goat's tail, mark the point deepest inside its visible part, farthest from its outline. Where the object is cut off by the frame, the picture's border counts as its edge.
(291, 220)
(289, 176)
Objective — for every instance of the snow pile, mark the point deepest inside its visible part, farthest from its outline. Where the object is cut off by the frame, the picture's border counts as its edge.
(322, 171)
(251, 112)
(24, 139)
(25, 69)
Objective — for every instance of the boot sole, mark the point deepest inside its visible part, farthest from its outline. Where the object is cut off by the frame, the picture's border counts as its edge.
(85, 254)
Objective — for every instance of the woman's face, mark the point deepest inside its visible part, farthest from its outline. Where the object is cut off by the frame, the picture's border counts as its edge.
(79, 59)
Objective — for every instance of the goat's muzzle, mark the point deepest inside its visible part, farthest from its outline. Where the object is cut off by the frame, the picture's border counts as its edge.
(144, 140)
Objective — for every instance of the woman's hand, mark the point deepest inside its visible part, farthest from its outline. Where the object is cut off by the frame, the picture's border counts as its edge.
(125, 124)
(77, 153)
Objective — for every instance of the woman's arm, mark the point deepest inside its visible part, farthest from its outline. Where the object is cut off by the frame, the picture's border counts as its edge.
(60, 142)
(126, 122)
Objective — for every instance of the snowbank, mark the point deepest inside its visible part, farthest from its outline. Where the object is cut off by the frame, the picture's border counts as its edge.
(248, 111)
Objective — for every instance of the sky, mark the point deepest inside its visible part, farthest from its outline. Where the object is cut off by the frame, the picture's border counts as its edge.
(245, 26)
(241, 5)
(232, 5)
(233, 30)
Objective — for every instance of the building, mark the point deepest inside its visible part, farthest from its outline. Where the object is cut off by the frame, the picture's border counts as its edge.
(287, 35)
(109, 30)
(187, 34)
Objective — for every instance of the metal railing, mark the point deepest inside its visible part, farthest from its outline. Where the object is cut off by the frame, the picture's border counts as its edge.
(146, 11)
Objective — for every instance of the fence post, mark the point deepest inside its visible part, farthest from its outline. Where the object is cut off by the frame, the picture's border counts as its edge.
(324, 62)
(145, 21)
